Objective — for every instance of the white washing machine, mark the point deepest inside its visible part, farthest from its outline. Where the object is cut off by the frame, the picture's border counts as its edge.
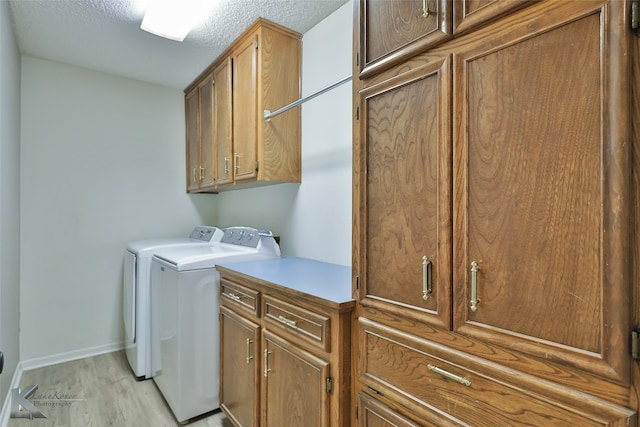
(185, 289)
(136, 300)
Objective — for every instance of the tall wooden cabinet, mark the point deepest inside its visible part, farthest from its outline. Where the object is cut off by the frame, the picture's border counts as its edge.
(259, 71)
(495, 229)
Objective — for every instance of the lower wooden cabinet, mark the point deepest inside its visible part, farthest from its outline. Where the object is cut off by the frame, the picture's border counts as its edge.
(240, 368)
(431, 380)
(295, 385)
(285, 353)
(372, 413)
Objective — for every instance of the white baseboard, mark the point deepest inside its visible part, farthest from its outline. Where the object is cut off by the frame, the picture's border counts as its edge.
(40, 362)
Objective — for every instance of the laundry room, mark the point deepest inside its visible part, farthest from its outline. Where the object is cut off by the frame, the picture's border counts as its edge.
(323, 213)
(102, 163)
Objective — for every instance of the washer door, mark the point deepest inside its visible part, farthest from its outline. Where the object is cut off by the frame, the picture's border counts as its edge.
(129, 298)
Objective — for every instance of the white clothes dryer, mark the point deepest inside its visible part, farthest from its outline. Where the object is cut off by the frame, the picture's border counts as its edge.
(185, 290)
(136, 300)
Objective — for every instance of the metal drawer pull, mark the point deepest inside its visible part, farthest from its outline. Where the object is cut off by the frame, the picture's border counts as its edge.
(232, 296)
(425, 9)
(456, 378)
(266, 363)
(249, 356)
(426, 278)
(202, 169)
(474, 286)
(288, 322)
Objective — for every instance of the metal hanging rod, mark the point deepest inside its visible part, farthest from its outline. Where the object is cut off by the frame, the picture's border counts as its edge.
(268, 114)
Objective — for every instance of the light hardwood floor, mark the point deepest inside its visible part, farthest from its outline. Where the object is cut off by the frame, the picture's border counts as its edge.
(100, 391)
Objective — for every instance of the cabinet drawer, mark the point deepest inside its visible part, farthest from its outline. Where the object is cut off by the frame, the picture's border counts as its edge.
(298, 322)
(239, 297)
(427, 377)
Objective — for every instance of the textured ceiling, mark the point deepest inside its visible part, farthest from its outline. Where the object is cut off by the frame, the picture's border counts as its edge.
(105, 35)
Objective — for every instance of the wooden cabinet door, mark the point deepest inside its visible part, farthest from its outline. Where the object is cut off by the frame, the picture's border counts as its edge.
(207, 107)
(541, 171)
(293, 385)
(223, 123)
(393, 31)
(193, 139)
(469, 14)
(245, 109)
(405, 149)
(239, 368)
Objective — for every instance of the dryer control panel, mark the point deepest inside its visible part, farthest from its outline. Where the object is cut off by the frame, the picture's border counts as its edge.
(242, 236)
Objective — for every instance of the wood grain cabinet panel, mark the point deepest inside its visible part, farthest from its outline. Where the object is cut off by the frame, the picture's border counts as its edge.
(540, 181)
(293, 387)
(392, 31)
(372, 413)
(433, 380)
(470, 14)
(406, 128)
(192, 110)
(240, 368)
(199, 109)
(223, 136)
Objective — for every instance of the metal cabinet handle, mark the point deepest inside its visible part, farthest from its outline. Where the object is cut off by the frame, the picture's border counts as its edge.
(226, 165)
(288, 322)
(474, 285)
(447, 374)
(202, 169)
(232, 296)
(427, 286)
(194, 175)
(425, 9)
(236, 163)
(249, 356)
(266, 363)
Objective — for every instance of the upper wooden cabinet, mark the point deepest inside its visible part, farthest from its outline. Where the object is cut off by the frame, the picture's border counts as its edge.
(469, 14)
(259, 71)
(392, 31)
(389, 32)
(495, 226)
(199, 108)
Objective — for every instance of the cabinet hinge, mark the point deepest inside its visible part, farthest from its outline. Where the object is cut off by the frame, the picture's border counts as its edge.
(257, 164)
(329, 383)
(255, 43)
(635, 17)
(357, 59)
(356, 411)
(358, 112)
(357, 283)
(635, 344)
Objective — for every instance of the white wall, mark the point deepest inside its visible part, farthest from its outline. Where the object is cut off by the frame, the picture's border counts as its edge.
(9, 199)
(313, 218)
(102, 164)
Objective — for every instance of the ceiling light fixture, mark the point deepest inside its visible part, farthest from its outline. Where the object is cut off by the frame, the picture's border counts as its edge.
(173, 19)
